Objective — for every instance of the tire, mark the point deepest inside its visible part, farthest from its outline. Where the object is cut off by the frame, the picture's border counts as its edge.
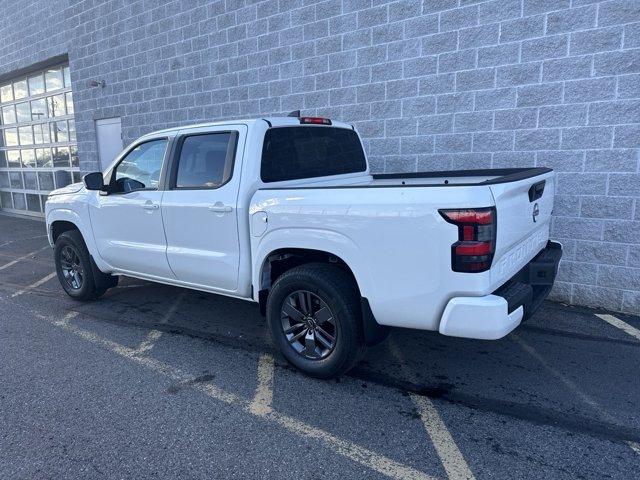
(322, 286)
(71, 258)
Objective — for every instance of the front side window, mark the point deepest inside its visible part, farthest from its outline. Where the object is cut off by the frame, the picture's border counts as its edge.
(206, 161)
(289, 153)
(140, 169)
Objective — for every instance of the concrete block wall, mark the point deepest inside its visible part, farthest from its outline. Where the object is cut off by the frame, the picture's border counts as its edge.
(431, 84)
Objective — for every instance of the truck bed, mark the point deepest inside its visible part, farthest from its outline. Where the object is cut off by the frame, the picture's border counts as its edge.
(441, 178)
(398, 242)
(490, 176)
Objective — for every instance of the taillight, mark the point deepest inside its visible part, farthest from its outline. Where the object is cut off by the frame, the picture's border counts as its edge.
(315, 120)
(473, 252)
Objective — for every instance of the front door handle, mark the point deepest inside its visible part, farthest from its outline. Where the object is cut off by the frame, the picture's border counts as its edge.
(220, 208)
(150, 206)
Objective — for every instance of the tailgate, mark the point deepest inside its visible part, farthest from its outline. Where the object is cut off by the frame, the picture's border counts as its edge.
(523, 219)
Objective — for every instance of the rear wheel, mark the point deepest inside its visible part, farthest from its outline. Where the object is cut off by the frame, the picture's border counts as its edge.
(313, 312)
(77, 273)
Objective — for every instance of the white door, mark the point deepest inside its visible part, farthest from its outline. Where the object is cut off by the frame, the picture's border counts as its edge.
(199, 208)
(127, 222)
(109, 135)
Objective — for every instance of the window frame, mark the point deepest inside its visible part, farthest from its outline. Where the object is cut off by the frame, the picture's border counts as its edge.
(232, 149)
(110, 178)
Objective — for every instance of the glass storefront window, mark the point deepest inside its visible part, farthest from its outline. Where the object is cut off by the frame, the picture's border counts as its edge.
(5, 199)
(46, 180)
(41, 133)
(70, 109)
(6, 93)
(55, 106)
(33, 202)
(38, 109)
(36, 85)
(19, 202)
(8, 114)
(26, 135)
(67, 77)
(75, 162)
(15, 179)
(72, 130)
(28, 158)
(61, 157)
(43, 157)
(59, 131)
(37, 139)
(20, 89)
(11, 137)
(23, 112)
(53, 79)
(13, 158)
(63, 178)
(30, 180)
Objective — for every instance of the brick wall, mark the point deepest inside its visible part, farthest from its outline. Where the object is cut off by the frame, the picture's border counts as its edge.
(433, 84)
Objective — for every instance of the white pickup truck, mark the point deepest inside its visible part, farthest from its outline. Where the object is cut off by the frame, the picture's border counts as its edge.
(283, 211)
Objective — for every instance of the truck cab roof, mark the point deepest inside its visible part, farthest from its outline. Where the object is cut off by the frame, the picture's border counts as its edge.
(271, 121)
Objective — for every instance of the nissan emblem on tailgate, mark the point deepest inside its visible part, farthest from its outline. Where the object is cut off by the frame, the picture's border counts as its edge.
(536, 211)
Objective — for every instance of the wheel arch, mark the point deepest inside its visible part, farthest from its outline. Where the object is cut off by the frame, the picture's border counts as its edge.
(281, 250)
(280, 260)
(61, 220)
(58, 227)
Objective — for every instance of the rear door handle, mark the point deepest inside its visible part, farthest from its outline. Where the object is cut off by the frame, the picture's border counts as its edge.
(150, 206)
(220, 208)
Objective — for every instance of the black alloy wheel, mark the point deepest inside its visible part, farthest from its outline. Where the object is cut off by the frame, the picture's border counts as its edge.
(313, 312)
(71, 267)
(308, 324)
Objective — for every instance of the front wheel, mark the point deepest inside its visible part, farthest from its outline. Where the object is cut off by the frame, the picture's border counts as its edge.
(313, 312)
(79, 278)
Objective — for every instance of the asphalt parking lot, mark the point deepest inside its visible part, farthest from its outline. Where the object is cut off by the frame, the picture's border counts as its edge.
(154, 381)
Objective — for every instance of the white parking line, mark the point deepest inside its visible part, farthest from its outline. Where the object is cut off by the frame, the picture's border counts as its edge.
(30, 254)
(65, 320)
(34, 285)
(616, 322)
(450, 455)
(571, 385)
(148, 341)
(350, 450)
(263, 398)
(152, 337)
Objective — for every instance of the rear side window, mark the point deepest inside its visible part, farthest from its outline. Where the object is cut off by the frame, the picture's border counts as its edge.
(290, 153)
(206, 161)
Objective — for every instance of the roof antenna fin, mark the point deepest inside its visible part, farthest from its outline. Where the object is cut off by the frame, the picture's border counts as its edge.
(295, 113)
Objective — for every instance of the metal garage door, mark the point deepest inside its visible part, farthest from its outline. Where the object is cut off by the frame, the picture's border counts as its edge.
(38, 149)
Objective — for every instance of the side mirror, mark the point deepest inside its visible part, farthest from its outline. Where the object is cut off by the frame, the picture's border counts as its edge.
(93, 181)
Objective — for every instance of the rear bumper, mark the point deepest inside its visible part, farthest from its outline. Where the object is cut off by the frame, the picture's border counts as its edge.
(493, 316)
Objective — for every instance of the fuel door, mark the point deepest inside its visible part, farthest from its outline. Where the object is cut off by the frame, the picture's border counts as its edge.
(259, 221)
